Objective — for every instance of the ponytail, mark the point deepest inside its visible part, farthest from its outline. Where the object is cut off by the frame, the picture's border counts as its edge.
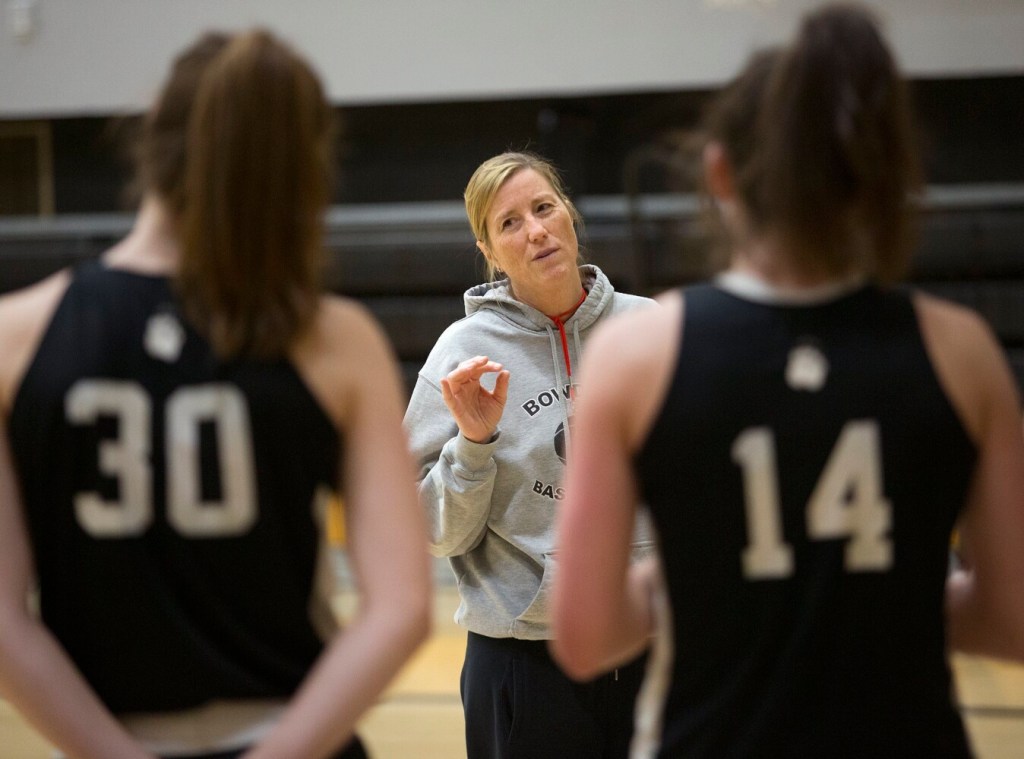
(160, 152)
(833, 165)
(729, 120)
(256, 183)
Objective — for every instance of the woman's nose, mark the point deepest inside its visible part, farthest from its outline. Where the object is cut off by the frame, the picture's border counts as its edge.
(535, 228)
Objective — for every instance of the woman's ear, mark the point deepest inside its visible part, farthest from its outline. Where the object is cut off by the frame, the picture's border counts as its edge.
(718, 172)
(485, 251)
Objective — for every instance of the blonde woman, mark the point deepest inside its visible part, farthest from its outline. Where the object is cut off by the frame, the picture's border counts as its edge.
(490, 422)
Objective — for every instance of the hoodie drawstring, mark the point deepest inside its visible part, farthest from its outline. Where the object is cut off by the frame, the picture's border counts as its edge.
(566, 404)
(576, 338)
(559, 321)
(559, 385)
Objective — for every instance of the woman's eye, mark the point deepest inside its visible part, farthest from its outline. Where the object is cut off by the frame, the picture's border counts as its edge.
(544, 207)
(506, 224)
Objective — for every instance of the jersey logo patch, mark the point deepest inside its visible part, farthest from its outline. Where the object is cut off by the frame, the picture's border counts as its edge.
(806, 368)
(164, 337)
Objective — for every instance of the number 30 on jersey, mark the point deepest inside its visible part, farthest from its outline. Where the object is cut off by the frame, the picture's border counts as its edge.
(127, 459)
(847, 502)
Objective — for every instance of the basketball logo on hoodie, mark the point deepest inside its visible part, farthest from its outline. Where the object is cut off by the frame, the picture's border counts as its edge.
(554, 492)
(559, 440)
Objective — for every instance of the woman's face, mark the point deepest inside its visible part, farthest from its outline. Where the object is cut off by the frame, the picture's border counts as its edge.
(532, 237)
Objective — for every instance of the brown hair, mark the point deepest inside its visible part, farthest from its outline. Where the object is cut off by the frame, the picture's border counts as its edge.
(248, 180)
(832, 163)
(491, 175)
(160, 151)
(730, 120)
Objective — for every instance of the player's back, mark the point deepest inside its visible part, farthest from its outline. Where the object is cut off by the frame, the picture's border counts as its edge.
(804, 474)
(172, 501)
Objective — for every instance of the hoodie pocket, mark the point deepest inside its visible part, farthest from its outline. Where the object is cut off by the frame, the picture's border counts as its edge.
(538, 612)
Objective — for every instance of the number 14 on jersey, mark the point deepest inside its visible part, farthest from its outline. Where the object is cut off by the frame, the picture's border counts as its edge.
(847, 502)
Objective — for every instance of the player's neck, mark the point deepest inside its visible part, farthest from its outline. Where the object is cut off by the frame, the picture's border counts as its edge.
(152, 245)
(764, 259)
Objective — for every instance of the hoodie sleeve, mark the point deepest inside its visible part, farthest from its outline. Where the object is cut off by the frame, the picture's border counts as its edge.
(456, 474)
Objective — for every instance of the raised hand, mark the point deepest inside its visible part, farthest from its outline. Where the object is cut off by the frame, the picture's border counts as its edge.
(476, 410)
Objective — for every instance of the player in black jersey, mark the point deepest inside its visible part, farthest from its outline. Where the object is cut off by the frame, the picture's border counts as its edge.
(174, 419)
(806, 436)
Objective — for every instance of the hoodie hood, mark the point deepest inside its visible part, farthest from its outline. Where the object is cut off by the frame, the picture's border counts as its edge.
(498, 296)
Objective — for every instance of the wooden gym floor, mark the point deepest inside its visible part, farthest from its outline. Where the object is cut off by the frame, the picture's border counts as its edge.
(420, 717)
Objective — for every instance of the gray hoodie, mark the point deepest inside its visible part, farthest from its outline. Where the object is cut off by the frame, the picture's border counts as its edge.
(491, 506)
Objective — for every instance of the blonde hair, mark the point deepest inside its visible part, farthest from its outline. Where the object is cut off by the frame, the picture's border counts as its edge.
(490, 177)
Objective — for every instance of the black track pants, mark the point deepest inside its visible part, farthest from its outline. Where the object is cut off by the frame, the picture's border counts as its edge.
(519, 704)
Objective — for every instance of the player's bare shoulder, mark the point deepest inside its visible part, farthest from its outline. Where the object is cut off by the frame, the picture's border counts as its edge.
(344, 350)
(966, 355)
(22, 308)
(637, 349)
(349, 321)
(953, 332)
(947, 313)
(24, 316)
(640, 340)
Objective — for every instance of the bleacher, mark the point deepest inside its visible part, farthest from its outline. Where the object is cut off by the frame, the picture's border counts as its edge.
(411, 262)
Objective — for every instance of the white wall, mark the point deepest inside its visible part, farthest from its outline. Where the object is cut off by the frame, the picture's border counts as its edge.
(104, 56)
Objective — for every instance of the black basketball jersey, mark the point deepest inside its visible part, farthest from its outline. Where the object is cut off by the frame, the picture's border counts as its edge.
(804, 475)
(170, 499)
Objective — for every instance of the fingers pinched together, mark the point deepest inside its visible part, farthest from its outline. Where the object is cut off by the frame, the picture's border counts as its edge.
(475, 409)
